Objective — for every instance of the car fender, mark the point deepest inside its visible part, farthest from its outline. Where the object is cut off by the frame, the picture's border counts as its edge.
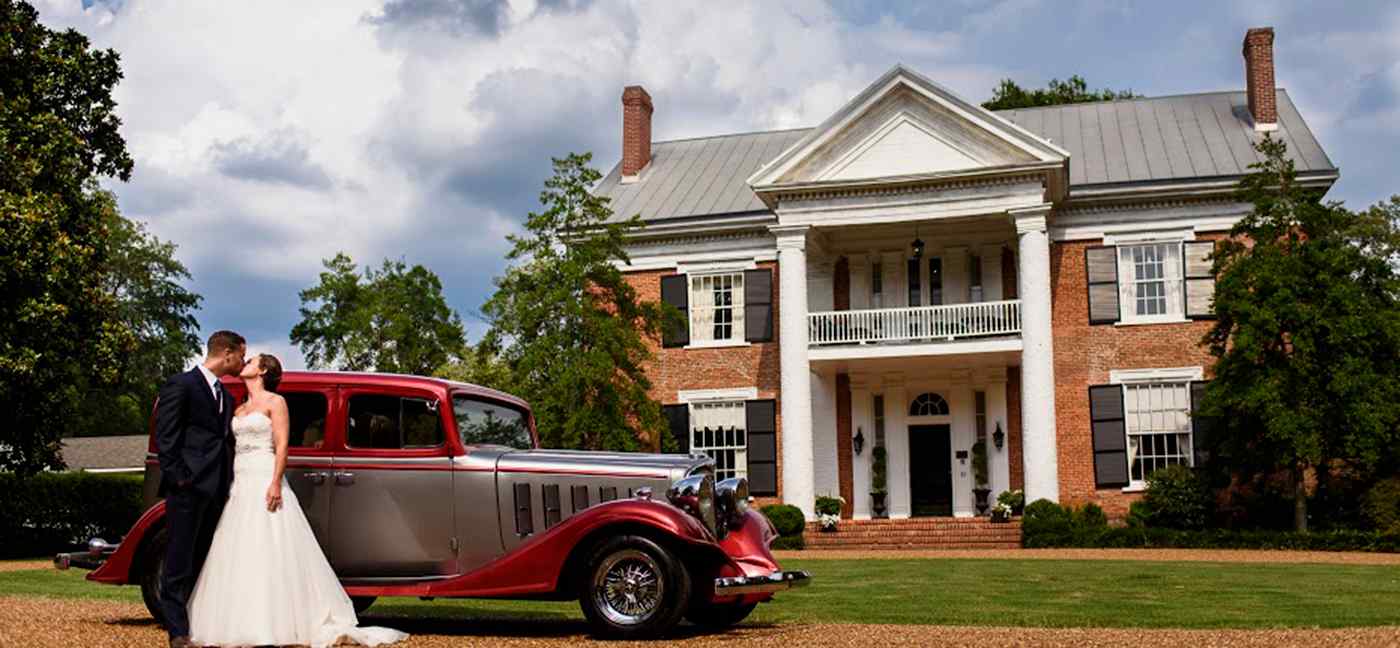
(117, 569)
(535, 567)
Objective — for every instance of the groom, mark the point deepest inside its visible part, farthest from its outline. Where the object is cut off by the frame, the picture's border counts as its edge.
(195, 444)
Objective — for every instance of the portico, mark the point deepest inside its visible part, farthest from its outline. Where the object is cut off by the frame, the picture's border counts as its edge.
(913, 278)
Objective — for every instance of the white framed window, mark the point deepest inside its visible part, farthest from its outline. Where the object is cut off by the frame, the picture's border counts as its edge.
(716, 308)
(1157, 419)
(1149, 276)
(717, 429)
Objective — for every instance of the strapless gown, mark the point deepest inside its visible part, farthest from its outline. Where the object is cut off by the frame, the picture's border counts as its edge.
(265, 580)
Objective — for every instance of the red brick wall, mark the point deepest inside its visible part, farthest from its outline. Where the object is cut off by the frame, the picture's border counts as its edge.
(843, 444)
(1085, 354)
(755, 365)
(1013, 428)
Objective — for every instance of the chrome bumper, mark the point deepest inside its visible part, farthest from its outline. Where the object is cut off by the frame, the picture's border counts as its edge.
(774, 582)
(97, 553)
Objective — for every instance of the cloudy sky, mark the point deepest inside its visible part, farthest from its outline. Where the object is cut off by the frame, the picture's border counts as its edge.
(270, 135)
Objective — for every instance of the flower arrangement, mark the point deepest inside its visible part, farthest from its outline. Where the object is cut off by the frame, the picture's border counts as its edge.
(1015, 501)
(1001, 512)
(829, 511)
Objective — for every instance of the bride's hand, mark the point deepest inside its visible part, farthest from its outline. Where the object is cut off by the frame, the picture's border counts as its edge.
(274, 497)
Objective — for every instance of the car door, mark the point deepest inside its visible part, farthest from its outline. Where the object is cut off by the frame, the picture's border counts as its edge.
(391, 507)
(309, 455)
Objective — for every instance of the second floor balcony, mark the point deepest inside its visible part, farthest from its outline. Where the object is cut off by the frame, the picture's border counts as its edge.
(915, 324)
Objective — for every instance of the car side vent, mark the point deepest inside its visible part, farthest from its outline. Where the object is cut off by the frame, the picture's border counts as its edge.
(551, 505)
(524, 516)
(607, 493)
(580, 494)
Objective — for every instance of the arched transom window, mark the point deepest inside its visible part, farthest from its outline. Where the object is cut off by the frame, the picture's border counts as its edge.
(928, 404)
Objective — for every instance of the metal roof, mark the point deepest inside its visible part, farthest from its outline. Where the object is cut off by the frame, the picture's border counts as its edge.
(1128, 142)
(105, 453)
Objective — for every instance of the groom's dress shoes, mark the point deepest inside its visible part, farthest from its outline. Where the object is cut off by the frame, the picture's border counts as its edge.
(180, 642)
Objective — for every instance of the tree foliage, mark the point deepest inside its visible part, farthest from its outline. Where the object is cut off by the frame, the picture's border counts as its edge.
(568, 325)
(59, 328)
(394, 319)
(1307, 340)
(144, 277)
(1009, 95)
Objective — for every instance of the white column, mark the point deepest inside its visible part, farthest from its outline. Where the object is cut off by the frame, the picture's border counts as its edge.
(862, 422)
(998, 464)
(897, 464)
(825, 475)
(1037, 356)
(799, 484)
(964, 412)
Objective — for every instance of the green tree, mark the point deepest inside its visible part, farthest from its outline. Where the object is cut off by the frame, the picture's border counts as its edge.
(394, 319)
(1009, 95)
(572, 330)
(479, 365)
(59, 328)
(1307, 340)
(144, 277)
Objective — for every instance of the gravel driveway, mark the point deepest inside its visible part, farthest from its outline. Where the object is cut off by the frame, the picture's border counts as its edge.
(53, 622)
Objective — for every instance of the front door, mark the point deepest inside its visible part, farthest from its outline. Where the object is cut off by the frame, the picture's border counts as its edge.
(931, 470)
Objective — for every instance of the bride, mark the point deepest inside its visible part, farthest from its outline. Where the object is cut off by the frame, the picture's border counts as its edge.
(265, 580)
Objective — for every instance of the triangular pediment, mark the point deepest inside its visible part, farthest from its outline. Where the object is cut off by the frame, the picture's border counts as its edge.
(905, 125)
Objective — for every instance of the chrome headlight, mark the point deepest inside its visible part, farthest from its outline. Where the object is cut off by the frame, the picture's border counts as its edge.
(696, 495)
(732, 501)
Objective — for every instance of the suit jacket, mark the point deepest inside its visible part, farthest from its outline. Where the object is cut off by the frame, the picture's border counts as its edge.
(193, 438)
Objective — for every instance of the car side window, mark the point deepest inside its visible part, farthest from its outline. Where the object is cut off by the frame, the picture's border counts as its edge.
(486, 423)
(306, 419)
(393, 422)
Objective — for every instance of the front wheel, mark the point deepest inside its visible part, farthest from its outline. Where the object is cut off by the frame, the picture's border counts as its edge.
(632, 588)
(152, 567)
(718, 616)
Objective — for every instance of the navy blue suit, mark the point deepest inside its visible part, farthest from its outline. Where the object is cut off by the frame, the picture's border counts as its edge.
(195, 443)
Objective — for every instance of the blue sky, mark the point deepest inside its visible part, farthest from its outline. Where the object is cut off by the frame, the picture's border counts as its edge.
(270, 135)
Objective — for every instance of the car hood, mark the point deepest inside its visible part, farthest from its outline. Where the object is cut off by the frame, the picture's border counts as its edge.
(623, 464)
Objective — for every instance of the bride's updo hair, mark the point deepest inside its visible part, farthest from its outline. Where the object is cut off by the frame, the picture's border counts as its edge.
(272, 371)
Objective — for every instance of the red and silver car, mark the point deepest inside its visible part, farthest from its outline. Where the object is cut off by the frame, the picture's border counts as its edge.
(429, 488)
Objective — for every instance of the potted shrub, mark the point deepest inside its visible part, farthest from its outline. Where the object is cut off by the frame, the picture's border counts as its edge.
(1013, 500)
(979, 475)
(829, 511)
(1001, 512)
(877, 481)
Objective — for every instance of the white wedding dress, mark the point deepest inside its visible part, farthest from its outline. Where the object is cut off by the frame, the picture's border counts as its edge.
(266, 581)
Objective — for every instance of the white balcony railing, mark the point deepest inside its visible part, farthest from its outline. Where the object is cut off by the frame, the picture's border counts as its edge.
(932, 323)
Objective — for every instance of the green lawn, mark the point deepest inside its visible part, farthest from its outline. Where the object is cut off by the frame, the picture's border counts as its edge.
(1045, 593)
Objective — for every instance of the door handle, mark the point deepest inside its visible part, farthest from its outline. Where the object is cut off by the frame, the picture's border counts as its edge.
(344, 478)
(316, 477)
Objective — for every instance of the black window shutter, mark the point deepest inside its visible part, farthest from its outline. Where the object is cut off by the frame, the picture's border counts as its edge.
(675, 290)
(758, 305)
(1201, 426)
(1200, 279)
(1101, 268)
(761, 421)
(679, 418)
(1110, 436)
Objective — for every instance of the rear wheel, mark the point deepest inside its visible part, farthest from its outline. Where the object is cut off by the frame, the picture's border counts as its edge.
(633, 588)
(152, 561)
(718, 615)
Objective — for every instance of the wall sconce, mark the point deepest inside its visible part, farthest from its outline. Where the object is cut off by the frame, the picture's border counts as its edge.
(858, 442)
(918, 244)
(998, 437)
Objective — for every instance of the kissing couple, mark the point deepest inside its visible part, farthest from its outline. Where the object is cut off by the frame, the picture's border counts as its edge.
(242, 567)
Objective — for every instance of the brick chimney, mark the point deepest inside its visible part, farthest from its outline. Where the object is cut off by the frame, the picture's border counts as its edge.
(636, 130)
(1259, 77)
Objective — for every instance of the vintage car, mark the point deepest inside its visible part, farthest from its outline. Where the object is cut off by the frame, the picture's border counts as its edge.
(428, 488)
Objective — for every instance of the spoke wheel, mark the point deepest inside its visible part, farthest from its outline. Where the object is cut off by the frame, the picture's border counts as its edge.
(633, 588)
(628, 587)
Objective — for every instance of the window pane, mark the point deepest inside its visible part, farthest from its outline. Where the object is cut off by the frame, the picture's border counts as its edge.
(422, 427)
(374, 422)
(306, 419)
(935, 281)
(716, 307)
(486, 423)
(914, 279)
(718, 430)
(1158, 420)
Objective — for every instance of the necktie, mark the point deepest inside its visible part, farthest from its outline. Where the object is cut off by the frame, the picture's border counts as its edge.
(218, 398)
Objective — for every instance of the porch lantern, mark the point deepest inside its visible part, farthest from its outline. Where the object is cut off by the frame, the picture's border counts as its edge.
(858, 442)
(918, 244)
(998, 437)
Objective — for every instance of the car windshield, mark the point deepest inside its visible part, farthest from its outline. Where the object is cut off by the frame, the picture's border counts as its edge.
(483, 422)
